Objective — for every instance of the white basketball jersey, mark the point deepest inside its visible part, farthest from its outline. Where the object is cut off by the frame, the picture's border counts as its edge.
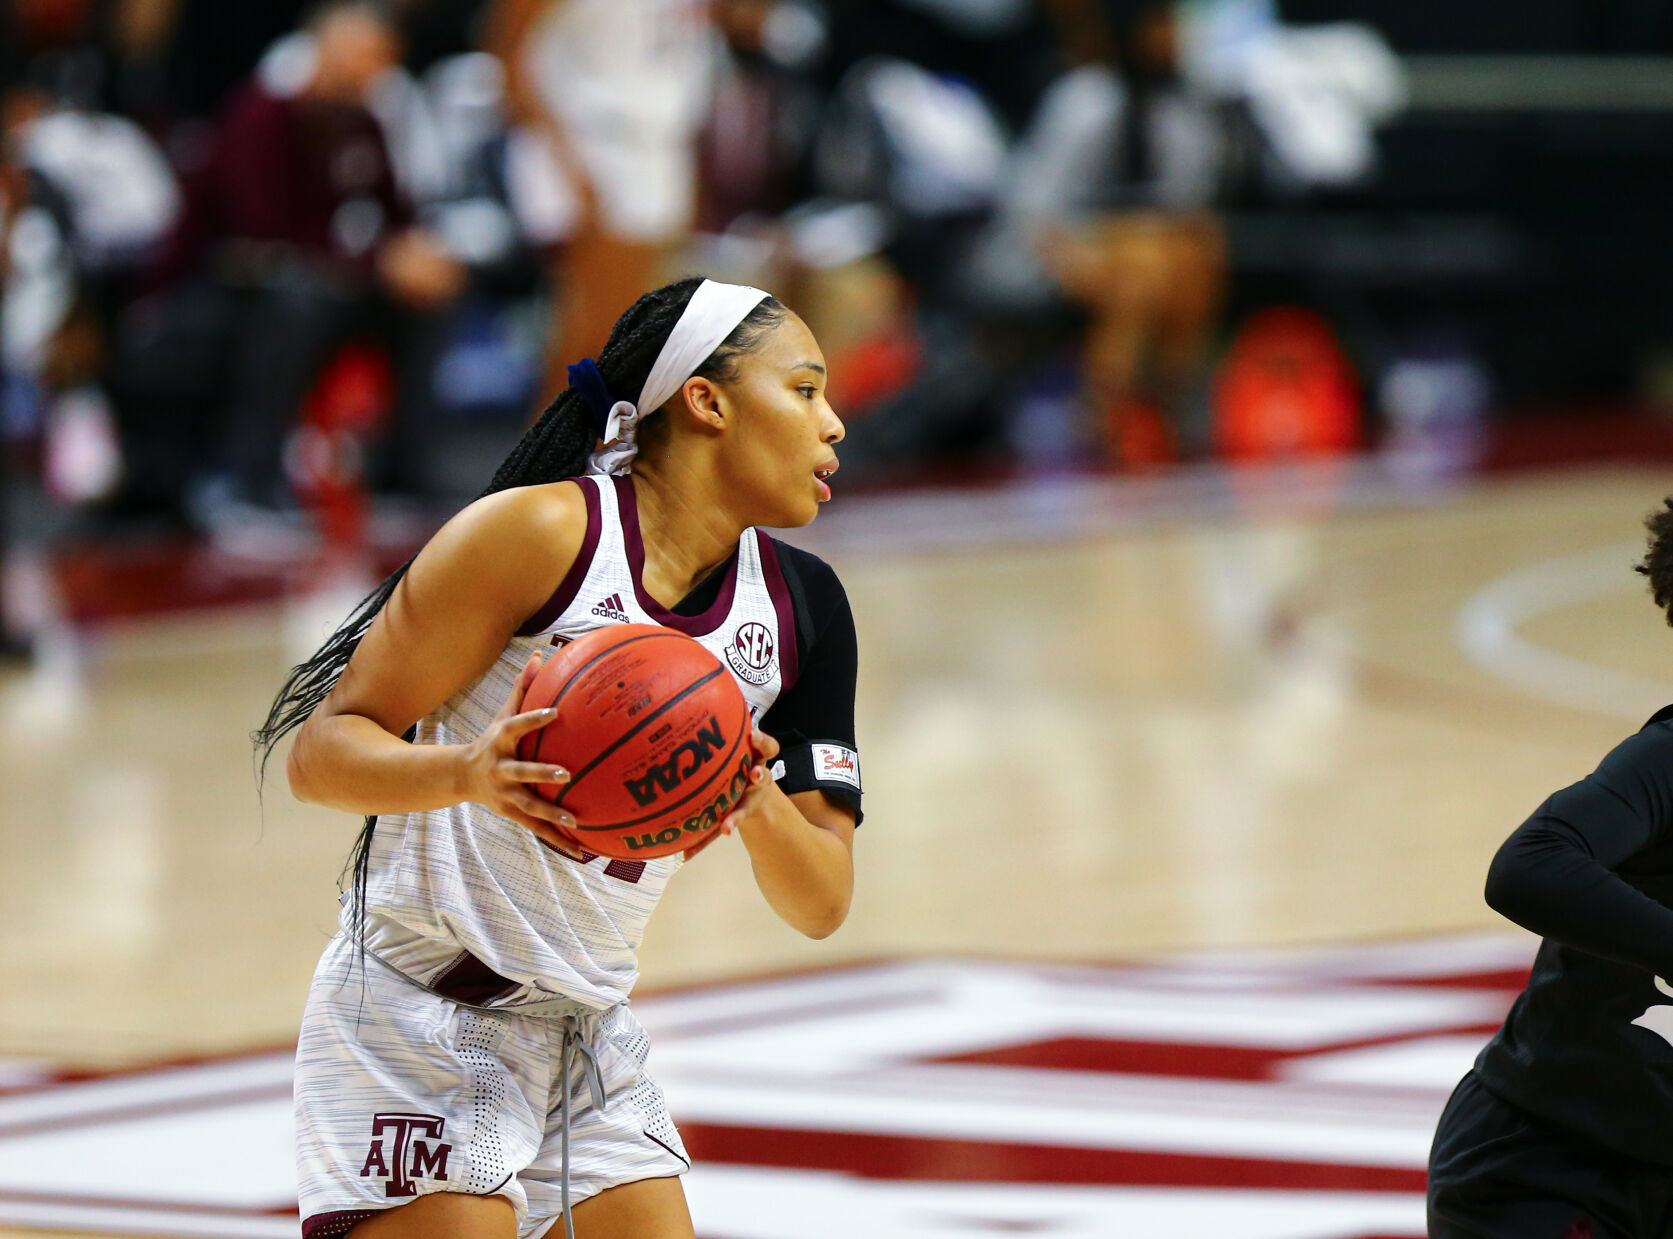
(465, 878)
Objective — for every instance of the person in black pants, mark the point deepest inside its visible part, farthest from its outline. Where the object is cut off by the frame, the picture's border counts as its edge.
(1564, 1127)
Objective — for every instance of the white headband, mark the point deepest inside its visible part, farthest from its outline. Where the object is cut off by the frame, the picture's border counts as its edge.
(712, 314)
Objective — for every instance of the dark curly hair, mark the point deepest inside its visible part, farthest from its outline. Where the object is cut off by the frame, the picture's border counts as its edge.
(1658, 556)
(555, 447)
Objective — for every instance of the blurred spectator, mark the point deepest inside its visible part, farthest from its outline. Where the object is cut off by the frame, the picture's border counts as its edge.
(1003, 50)
(1122, 172)
(611, 94)
(91, 199)
(1116, 192)
(764, 111)
(295, 240)
(203, 50)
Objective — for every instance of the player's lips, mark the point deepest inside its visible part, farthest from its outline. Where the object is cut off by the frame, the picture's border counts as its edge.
(822, 474)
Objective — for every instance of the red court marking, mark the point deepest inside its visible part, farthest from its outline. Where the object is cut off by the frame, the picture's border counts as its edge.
(982, 1161)
(1166, 1058)
(1511, 980)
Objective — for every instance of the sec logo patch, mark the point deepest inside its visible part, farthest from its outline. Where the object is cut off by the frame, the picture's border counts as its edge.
(752, 653)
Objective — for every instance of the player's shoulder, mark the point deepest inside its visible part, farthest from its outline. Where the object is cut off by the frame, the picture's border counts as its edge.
(1662, 718)
(815, 579)
(1656, 733)
(527, 528)
(528, 513)
(1649, 750)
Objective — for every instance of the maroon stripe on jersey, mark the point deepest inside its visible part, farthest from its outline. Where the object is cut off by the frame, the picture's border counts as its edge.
(468, 979)
(559, 602)
(773, 573)
(874, 1156)
(692, 625)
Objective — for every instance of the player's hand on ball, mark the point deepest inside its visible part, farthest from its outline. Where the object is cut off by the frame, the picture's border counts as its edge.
(492, 775)
(760, 782)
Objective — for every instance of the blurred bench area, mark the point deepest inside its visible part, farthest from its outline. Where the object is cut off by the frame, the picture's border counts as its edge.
(277, 274)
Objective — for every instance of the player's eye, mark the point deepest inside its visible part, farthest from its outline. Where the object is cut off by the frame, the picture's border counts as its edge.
(808, 390)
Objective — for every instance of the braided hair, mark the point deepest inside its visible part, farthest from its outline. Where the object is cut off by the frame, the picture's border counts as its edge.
(555, 447)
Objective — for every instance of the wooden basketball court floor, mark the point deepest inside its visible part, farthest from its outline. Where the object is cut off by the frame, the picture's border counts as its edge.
(1100, 720)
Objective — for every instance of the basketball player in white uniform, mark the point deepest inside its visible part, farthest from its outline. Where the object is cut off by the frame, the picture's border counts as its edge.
(467, 1060)
(608, 96)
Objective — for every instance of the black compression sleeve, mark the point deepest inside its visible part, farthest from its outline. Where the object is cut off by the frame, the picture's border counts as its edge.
(1556, 876)
(813, 720)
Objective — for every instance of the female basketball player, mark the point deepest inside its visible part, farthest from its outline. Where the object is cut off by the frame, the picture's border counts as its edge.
(467, 1058)
(1564, 1127)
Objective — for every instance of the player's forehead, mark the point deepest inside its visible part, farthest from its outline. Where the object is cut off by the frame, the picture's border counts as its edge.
(788, 346)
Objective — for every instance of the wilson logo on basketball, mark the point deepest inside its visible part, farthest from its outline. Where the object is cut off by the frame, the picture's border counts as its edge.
(397, 1154)
(611, 608)
(750, 653)
(682, 763)
(706, 818)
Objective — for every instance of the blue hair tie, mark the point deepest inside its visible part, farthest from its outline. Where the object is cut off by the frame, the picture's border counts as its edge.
(586, 378)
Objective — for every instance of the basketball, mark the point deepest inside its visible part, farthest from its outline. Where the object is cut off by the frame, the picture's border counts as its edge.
(654, 733)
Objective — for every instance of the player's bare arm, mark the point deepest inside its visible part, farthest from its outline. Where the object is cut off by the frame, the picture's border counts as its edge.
(801, 847)
(485, 572)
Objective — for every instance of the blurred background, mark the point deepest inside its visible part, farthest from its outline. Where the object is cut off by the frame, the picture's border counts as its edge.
(1251, 409)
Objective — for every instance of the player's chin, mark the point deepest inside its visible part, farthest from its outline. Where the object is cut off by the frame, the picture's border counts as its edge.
(795, 510)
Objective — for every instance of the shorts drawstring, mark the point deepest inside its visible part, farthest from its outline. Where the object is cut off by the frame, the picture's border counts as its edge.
(570, 1015)
(575, 1042)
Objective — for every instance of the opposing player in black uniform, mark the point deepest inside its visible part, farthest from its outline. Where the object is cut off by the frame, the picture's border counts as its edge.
(1564, 1128)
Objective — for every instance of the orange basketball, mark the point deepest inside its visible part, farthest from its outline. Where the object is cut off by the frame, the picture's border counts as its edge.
(654, 733)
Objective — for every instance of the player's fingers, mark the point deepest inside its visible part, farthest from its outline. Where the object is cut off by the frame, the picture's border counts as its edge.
(517, 726)
(545, 831)
(766, 748)
(530, 805)
(532, 772)
(746, 803)
(525, 677)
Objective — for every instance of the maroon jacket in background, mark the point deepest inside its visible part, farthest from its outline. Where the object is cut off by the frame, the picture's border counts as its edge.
(287, 182)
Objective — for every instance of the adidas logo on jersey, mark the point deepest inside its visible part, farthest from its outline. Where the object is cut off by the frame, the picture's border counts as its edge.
(611, 608)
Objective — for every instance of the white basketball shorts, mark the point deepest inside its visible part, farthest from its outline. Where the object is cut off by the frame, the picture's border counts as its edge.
(400, 1092)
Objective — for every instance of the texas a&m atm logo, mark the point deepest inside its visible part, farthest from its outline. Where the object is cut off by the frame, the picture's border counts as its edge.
(406, 1147)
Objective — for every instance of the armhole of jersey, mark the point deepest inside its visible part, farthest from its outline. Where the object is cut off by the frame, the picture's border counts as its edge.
(777, 578)
(572, 581)
(798, 601)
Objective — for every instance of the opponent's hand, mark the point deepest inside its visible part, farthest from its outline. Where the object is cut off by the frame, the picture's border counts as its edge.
(760, 783)
(492, 775)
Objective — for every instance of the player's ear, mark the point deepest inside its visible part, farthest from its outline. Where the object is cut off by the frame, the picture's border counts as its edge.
(704, 402)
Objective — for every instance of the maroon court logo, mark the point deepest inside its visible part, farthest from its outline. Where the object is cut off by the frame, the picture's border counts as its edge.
(406, 1147)
(751, 652)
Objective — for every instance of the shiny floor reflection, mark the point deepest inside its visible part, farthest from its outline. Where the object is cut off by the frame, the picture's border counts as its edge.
(1098, 721)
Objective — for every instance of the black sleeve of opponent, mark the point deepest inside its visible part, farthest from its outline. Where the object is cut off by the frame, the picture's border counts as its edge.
(1556, 874)
(813, 721)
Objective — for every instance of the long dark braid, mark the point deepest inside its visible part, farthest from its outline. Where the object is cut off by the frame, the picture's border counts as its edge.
(555, 447)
